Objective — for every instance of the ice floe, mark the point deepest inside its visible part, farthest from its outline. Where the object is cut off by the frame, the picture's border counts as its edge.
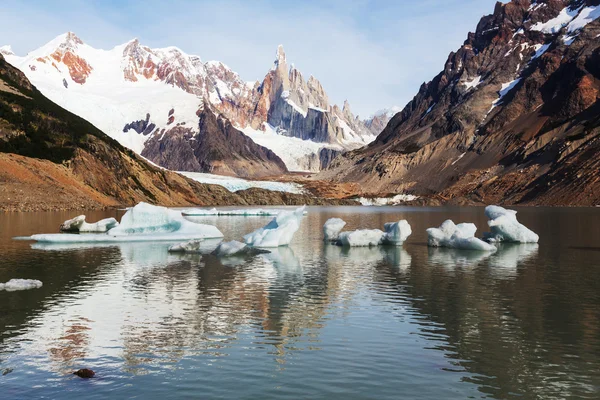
(505, 227)
(279, 232)
(461, 236)
(235, 248)
(332, 229)
(193, 246)
(144, 222)
(20, 284)
(387, 201)
(395, 234)
(78, 224)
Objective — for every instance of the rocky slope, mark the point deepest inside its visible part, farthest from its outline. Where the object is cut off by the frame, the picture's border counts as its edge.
(512, 118)
(136, 94)
(51, 159)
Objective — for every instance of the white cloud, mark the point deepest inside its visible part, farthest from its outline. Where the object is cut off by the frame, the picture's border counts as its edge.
(374, 53)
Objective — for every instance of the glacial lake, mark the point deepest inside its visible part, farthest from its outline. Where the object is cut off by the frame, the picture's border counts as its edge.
(307, 321)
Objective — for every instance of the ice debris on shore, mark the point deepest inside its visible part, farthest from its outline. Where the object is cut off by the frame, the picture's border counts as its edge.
(213, 212)
(332, 229)
(505, 227)
(279, 232)
(78, 224)
(144, 222)
(20, 284)
(461, 236)
(395, 234)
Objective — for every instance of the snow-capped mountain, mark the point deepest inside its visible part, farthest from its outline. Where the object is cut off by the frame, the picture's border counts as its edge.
(512, 117)
(140, 95)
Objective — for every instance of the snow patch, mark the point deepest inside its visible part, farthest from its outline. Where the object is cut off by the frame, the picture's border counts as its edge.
(554, 25)
(474, 83)
(586, 15)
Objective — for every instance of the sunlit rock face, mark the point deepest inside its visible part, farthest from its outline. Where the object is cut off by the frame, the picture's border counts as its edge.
(510, 118)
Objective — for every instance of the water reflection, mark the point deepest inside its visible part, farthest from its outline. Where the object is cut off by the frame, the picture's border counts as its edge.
(440, 323)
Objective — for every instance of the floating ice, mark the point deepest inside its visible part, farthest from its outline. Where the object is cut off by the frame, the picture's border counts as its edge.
(396, 233)
(505, 227)
(78, 224)
(20, 284)
(461, 236)
(361, 238)
(235, 248)
(332, 229)
(141, 223)
(387, 201)
(193, 246)
(279, 232)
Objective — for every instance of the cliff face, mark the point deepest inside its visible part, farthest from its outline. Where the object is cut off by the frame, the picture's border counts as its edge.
(512, 118)
(215, 147)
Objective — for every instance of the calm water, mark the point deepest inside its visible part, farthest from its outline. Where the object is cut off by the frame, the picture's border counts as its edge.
(308, 321)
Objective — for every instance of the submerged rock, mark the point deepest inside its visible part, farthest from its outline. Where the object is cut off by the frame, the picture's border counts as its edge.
(85, 373)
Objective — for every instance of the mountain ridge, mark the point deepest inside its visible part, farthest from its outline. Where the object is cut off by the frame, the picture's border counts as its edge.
(511, 118)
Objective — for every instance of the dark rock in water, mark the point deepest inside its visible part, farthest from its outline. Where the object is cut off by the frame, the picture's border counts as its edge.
(6, 371)
(85, 373)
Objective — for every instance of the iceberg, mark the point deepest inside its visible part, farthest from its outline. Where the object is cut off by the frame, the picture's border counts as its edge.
(505, 227)
(141, 223)
(396, 233)
(78, 224)
(20, 284)
(361, 238)
(461, 236)
(279, 232)
(332, 229)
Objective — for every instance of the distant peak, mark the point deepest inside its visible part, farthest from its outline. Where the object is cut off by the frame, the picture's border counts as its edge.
(280, 54)
(70, 38)
(7, 50)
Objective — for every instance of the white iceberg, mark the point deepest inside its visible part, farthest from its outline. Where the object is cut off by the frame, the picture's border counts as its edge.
(235, 248)
(461, 236)
(142, 223)
(213, 212)
(20, 284)
(332, 229)
(361, 238)
(78, 224)
(193, 246)
(279, 232)
(396, 233)
(505, 227)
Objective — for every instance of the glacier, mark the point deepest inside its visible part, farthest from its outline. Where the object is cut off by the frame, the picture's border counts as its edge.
(461, 236)
(279, 232)
(78, 224)
(20, 284)
(144, 222)
(332, 229)
(505, 227)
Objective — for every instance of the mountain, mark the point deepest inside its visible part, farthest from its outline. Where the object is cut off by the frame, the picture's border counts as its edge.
(512, 118)
(142, 97)
(52, 159)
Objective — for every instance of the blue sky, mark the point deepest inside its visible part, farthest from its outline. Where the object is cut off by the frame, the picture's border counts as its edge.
(376, 54)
